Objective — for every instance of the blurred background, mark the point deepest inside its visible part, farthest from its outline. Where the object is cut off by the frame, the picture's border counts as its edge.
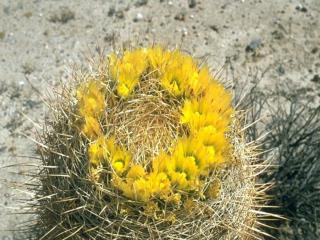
(269, 50)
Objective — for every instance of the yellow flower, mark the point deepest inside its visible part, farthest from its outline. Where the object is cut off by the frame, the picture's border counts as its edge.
(106, 150)
(159, 184)
(91, 128)
(189, 111)
(158, 58)
(180, 71)
(91, 99)
(113, 65)
(128, 70)
(141, 187)
(187, 165)
(186, 148)
(118, 157)
(136, 171)
(218, 100)
(162, 163)
(202, 112)
(214, 143)
(173, 82)
(125, 89)
(141, 190)
(199, 81)
(137, 58)
(212, 119)
(135, 189)
(120, 160)
(97, 151)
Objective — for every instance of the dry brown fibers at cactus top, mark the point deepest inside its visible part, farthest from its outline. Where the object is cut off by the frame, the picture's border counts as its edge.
(69, 204)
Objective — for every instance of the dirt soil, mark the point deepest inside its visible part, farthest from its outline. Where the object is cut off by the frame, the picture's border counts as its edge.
(41, 40)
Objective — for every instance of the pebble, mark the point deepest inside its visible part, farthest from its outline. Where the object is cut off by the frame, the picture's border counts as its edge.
(301, 8)
(280, 70)
(192, 3)
(254, 45)
(2, 35)
(120, 14)
(314, 50)
(180, 16)
(111, 11)
(28, 68)
(63, 15)
(184, 31)
(214, 28)
(138, 17)
(316, 78)
(277, 35)
(109, 37)
(140, 3)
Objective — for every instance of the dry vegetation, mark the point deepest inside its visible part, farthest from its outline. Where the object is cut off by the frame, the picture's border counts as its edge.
(293, 144)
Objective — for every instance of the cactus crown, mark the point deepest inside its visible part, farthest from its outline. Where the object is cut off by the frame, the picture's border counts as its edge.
(145, 146)
(157, 126)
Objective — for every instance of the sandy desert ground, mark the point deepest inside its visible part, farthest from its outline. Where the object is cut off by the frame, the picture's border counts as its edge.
(41, 40)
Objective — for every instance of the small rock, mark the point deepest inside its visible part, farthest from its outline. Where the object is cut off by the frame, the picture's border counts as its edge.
(109, 37)
(27, 14)
(3, 148)
(120, 14)
(2, 35)
(28, 68)
(214, 28)
(254, 45)
(181, 16)
(31, 103)
(6, 10)
(21, 83)
(184, 31)
(112, 11)
(277, 35)
(63, 15)
(301, 8)
(280, 70)
(316, 78)
(314, 50)
(138, 17)
(192, 3)
(140, 3)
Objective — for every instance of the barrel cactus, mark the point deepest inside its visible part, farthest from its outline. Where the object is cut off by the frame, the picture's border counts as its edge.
(147, 146)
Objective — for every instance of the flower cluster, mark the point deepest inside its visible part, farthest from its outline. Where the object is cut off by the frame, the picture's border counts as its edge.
(106, 149)
(205, 112)
(91, 105)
